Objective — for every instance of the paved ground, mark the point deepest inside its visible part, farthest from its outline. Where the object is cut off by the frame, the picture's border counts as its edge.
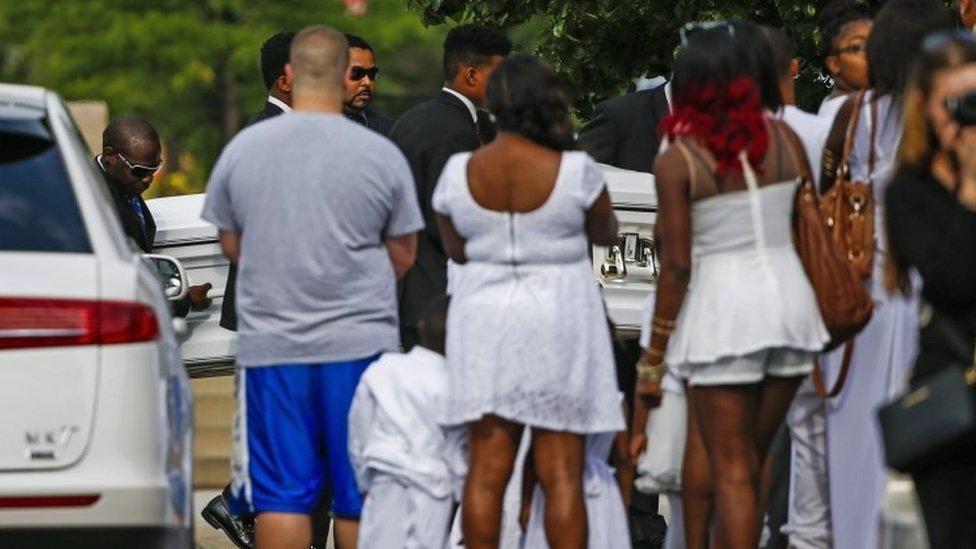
(207, 537)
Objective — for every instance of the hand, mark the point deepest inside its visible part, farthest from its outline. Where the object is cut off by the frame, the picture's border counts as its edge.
(638, 445)
(198, 296)
(648, 392)
(964, 147)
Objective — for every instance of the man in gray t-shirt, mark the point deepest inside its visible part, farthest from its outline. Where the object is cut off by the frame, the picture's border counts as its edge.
(320, 215)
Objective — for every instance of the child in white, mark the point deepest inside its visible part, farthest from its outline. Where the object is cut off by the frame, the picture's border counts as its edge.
(400, 455)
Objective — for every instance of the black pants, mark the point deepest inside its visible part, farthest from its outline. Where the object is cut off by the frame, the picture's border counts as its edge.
(947, 494)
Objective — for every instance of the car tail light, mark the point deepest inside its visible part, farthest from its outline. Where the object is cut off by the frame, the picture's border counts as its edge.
(39, 322)
(20, 502)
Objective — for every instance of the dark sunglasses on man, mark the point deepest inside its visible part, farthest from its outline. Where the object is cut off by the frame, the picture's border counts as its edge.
(357, 73)
(140, 171)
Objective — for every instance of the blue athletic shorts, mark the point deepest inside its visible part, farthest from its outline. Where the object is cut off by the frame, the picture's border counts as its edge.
(290, 438)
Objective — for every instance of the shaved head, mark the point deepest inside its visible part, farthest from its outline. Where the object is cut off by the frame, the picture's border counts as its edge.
(122, 133)
(318, 60)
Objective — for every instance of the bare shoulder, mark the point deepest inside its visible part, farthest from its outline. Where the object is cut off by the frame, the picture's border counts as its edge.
(671, 166)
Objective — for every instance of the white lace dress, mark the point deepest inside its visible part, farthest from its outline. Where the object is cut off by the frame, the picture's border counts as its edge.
(527, 336)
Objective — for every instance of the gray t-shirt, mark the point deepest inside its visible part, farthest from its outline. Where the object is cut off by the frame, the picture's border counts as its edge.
(314, 196)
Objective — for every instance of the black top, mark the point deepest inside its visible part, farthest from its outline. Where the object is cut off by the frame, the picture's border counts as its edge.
(932, 232)
(623, 130)
(228, 312)
(429, 134)
(374, 120)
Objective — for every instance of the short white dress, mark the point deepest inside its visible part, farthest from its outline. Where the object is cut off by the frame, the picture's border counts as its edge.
(750, 310)
(527, 336)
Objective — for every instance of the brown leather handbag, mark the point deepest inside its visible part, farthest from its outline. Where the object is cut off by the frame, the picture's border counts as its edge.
(847, 206)
(842, 298)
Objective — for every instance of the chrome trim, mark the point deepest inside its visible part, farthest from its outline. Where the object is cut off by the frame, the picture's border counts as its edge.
(14, 333)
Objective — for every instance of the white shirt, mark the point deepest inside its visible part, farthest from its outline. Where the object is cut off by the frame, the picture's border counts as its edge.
(279, 103)
(467, 102)
(812, 131)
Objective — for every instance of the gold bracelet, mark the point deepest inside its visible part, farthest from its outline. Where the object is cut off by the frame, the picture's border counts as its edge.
(657, 330)
(657, 321)
(651, 372)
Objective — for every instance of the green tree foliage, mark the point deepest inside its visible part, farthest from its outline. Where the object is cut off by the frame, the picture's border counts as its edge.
(601, 46)
(191, 66)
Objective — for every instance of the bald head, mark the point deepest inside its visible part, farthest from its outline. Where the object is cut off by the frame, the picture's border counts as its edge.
(318, 60)
(122, 133)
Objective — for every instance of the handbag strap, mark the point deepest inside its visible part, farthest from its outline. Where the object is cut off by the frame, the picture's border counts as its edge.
(845, 366)
(836, 148)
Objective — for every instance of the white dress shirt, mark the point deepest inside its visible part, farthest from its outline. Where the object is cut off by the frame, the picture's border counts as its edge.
(467, 102)
(279, 103)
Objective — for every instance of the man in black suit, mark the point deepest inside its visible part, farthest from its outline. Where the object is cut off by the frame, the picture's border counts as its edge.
(131, 156)
(623, 130)
(359, 86)
(428, 135)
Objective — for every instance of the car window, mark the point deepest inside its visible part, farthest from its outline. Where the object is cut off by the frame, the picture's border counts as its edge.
(38, 210)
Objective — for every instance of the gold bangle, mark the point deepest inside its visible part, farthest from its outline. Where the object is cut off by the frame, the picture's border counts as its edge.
(657, 321)
(650, 372)
(657, 330)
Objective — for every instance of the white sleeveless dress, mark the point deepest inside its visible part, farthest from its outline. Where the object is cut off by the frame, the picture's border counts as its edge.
(748, 291)
(527, 336)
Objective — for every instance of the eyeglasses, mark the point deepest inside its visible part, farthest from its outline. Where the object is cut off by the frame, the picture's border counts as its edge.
(690, 29)
(140, 171)
(856, 49)
(939, 39)
(357, 73)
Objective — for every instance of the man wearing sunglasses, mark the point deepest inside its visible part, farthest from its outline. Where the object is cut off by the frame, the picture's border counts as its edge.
(359, 86)
(131, 157)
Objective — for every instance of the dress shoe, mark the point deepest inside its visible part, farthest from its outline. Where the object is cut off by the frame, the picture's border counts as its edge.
(239, 530)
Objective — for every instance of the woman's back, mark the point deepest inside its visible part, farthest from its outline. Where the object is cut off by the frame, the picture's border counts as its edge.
(516, 210)
(744, 262)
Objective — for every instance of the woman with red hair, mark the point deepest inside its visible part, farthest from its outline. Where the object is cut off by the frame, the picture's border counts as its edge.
(735, 316)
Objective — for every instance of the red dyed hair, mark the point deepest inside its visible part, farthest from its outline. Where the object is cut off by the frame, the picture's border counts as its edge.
(726, 121)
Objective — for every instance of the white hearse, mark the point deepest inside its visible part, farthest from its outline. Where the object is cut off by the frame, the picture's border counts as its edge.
(96, 419)
(626, 271)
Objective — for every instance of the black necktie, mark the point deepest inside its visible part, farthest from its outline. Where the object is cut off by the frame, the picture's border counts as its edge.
(485, 127)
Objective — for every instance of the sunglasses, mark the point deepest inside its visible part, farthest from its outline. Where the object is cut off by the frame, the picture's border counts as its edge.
(358, 73)
(691, 29)
(140, 171)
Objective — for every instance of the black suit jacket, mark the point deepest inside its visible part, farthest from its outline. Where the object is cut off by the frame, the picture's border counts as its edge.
(144, 236)
(428, 135)
(374, 120)
(228, 313)
(623, 130)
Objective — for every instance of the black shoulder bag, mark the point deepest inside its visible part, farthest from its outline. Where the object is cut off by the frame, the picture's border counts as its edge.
(936, 421)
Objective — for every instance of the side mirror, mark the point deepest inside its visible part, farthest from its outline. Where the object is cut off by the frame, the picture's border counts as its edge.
(171, 275)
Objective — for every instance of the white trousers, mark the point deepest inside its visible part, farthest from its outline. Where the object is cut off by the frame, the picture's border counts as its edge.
(808, 522)
(675, 538)
(400, 515)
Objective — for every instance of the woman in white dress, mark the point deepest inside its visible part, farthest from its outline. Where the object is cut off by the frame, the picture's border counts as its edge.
(527, 338)
(739, 322)
(885, 350)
